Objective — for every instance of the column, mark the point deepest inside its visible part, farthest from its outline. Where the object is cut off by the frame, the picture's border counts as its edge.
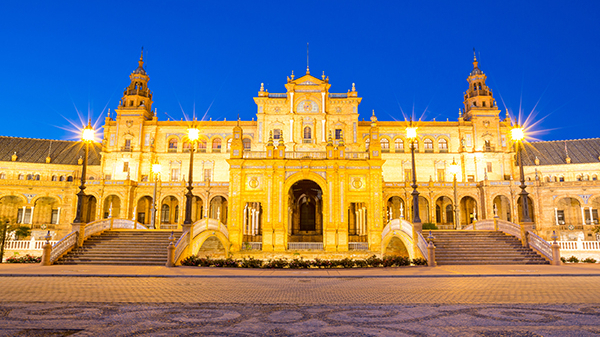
(324, 136)
(58, 216)
(364, 220)
(582, 215)
(245, 219)
(291, 130)
(252, 222)
(591, 215)
(556, 215)
(31, 216)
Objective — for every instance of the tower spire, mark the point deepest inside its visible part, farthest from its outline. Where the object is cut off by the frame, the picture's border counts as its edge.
(307, 70)
(141, 62)
(474, 58)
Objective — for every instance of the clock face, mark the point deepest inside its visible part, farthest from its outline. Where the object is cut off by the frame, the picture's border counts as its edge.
(307, 106)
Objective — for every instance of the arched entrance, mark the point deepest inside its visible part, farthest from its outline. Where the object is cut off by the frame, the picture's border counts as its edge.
(218, 209)
(144, 210)
(169, 211)
(197, 208)
(212, 247)
(306, 211)
(501, 205)
(423, 211)
(45, 212)
(468, 211)
(10, 206)
(89, 210)
(568, 213)
(396, 248)
(444, 214)
(395, 208)
(112, 207)
(531, 210)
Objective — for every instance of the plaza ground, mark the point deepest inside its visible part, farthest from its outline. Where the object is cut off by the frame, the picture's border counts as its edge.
(513, 300)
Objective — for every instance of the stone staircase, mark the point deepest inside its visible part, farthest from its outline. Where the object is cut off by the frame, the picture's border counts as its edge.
(129, 247)
(480, 247)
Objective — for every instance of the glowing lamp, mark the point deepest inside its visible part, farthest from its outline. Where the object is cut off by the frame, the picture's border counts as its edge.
(411, 132)
(88, 134)
(454, 168)
(156, 167)
(193, 134)
(517, 134)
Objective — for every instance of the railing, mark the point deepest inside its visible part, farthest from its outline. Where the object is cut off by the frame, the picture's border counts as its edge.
(485, 224)
(278, 95)
(358, 246)
(306, 154)
(580, 245)
(422, 245)
(254, 154)
(252, 246)
(398, 224)
(127, 224)
(209, 224)
(540, 245)
(305, 246)
(25, 245)
(168, 226)
(509, 228)
(181, 245)
(96, 227)
(63, 246)
(338, 96)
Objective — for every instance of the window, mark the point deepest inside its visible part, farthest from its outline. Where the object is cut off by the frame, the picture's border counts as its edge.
(54, 216)
(307, 133)
(441, 175)
(247, 144)
(185, 147)
(489, 167)
(127, 145)
(125, 167)
(407, 175)
(62, 178)
(385, 145)
(164, 213)
(3, 176)
(470, 178)
(216, 145)
(443, 145)
(561, 179)
(69, 178)
(487, 146)
(175, 174)
(54, 178)
(202, 146)
(276, 134)
(428, 145)
(144, 178)
(560, 216)
(172, 146)
(229, 144)
(30, 177)
(37, 177)
(207, 174)
(21, 176)
(338, 134)
(106, 177)
(594, 177)
(399, 144)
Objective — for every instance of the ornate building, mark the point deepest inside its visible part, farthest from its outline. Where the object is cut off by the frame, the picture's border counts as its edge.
(306, 174)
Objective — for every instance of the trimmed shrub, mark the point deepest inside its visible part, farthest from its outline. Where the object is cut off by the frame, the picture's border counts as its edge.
(190, 261)
(279, 263)
(361, 263)
(374, 261)
(251, 263)
(419, 261)
(589, 260)
(573, 259)
(24, 259)
(346, 263)
(563, 259)
(429, 226)
(299, 263)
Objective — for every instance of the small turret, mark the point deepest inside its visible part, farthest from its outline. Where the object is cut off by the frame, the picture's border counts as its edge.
(374, 145)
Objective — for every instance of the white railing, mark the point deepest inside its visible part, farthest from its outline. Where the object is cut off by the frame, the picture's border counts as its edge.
(252, 246)
(255, 154)
(96, 227)
(580, 245)
(127, 224)
(357, 155)
(540, 245)
(398, 224)
(181, 245)
(422, 245)
(168, 226)
(209, 224)
(26, 244)
(358, 246)
(306, 154)
(509, 228)
(305, 246)
(407, 227)
(484, 224)
(61, 247)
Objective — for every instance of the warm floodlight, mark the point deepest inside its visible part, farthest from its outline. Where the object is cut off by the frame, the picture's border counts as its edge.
(454, 168)
(88, 133)
(156, 167)
(193, 134)
(411, 132)
(517, 134)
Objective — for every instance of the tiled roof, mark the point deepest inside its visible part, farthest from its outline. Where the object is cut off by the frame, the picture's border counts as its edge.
(555, 152)
(32, 150)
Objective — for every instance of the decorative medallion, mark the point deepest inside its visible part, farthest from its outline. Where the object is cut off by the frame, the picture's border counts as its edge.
(253, 183)
(277, 109)
(129, 123)
(356, 183)
(338, 109)
(307, 106)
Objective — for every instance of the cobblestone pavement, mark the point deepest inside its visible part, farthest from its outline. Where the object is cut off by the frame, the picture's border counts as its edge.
(469, 306)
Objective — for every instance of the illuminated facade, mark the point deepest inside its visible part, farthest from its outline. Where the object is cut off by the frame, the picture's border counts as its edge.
(306, 173)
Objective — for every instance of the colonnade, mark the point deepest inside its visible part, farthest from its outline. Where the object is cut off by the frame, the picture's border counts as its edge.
(252, 217)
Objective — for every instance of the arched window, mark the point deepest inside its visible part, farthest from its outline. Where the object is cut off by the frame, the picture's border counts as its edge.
(399, 144)
(594, 177)
(186, 146)
(229, 144)
(202, 146)
(54, 178)
(69, 178)
(428, 145)
(172, 145)
(307, 133)
(216, 145)
(164, 213)
(37, 177)
(548, 179)
(367, 143)
(2, 176)
(276, 134)
(21, 176)
(247, 144)
(443, 145)
(385, 145)
(30, 177)
(62, 178)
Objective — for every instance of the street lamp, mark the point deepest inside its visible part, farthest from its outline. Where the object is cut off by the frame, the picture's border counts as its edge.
(156, 167)
(518, 136)
(87, 136)
(411, 135)
(455, 169)
(193, 135)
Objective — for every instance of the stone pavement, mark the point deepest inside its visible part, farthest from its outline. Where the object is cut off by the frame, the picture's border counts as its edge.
(187, 301)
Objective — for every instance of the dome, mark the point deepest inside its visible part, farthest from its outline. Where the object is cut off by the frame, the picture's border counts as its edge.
(476, 71)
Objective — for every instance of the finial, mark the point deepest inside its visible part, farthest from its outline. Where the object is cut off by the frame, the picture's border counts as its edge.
(270, 142)
(307, 71)
(262, 87)
(330, 140)
(292, 75)
(474, 59)
(89, 125)
(353, 87)
(323, 76)
(341, 141)
(373, 117)
(141, 62)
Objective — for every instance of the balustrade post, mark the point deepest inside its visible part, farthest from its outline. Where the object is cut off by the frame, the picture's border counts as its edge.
(430, 251)
(171, 252)
(555, 250)
(496, 223)
(47, 251)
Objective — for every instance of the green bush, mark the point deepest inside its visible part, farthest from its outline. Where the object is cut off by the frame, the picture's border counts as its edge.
(429, 226)
(563, 259)
(251, 263)
(573, 259)
(347, 263)
(374, 261)
(299, 263)
(419, 261)
(361, 263)
(279, 263)
(589, 260)
(190, 261)
(389, 261)
(24, 259)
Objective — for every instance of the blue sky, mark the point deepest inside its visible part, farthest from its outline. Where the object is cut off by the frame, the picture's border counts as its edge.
(62, 59)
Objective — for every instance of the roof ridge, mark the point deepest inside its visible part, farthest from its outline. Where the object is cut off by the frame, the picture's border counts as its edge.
(576, 139)
(38, 139)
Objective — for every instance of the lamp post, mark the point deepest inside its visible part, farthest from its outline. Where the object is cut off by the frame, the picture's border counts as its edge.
(518, 136)
(87, 136)
(411, 134)
(156, 167)
(207, 209)
(193, 135)
(454, 169)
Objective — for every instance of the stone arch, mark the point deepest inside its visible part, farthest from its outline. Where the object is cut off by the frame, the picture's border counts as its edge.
(531, 208)
(295, 178)
(111, 206)
(441, 210)
(501, 204)
(172, 144)
(218, 208)
(169, 210)
(403, 237)
(396, 207)
(200, 238)
(143, 209)
(216, 144)
(568, 210)
(468, 210)
(386, 143)
(428, 144)
(10, 204)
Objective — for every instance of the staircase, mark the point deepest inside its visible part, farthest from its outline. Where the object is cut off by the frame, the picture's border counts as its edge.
(129, 247)
(468, 247)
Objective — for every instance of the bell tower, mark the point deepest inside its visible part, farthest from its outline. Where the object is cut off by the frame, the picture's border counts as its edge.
(137, 98)
(478, 98)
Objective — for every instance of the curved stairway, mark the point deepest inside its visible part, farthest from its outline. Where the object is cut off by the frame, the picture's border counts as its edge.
(480, 247)
(123, 247)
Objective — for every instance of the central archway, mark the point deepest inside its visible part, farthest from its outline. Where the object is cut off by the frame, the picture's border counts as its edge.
(306, 211)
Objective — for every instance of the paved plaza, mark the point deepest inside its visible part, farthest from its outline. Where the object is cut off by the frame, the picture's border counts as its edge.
(445, 301)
